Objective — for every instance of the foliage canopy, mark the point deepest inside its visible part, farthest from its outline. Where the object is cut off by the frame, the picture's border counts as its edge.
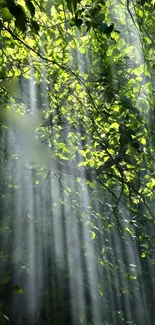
(88, 68)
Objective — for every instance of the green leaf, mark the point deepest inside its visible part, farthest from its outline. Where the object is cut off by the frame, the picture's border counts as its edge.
(3, 318)
(114, 125)
(107, 29)
(17, 289)
(30, 7)
(104, 27)
(129, 230)
(72, 5)
(67, 191)
(72, 22)
(37, 182)
(93, 235)
(78, 22)
(100, 289)
(35, 27)
(19, 13)
(6, 15)
(101, 17)
(21, 19)
(102, 263)
(6, 278)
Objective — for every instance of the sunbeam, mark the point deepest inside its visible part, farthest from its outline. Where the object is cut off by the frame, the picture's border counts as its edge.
(77, 171)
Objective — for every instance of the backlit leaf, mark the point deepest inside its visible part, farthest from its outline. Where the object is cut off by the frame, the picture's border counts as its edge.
(17, 289)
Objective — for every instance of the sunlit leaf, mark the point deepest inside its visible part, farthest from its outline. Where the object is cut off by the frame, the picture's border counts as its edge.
(133, 277)
(143, 141)
(100, 289)
(93, 235)
(114, 125)
(129, 230)
(102, 263)
(67, 191)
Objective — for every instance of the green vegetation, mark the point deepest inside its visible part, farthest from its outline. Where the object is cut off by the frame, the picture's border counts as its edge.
(88, 68)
